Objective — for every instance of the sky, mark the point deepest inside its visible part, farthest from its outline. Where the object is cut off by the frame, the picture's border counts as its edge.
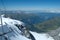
(30, 4)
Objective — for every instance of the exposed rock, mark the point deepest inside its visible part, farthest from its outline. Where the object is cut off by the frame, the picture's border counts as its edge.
(55, 34)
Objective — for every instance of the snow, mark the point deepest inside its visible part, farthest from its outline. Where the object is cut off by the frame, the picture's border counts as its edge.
(16, 33)
(42, 36)
(10, 21)
(59, 34)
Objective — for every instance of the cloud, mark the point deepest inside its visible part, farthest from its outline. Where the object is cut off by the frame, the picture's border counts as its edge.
(51, 10)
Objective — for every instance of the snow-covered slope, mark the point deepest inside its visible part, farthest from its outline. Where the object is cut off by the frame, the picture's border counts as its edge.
(42, 36)
(10, 21)
(13, 33)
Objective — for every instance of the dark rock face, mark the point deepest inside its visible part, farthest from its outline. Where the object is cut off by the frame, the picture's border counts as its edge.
(32, 37)
(55, 34)
(25, 32)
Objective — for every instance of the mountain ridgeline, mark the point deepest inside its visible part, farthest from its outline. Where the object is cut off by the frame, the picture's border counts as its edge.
(38, 22)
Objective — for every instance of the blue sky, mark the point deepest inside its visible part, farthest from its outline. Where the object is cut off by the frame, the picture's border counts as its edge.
(30, 4)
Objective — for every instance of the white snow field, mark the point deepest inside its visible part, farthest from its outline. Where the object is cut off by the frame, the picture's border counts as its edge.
(41, 36)
(15, 33)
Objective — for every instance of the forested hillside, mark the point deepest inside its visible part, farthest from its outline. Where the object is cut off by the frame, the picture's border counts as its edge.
(49, 25)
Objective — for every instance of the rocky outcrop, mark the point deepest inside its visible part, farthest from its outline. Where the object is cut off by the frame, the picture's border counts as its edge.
(55, 34)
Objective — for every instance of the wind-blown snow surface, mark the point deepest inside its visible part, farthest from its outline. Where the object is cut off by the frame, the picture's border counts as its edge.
(16, 33)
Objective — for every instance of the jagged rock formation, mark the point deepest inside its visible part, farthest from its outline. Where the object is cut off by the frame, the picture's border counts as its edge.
(25, 32)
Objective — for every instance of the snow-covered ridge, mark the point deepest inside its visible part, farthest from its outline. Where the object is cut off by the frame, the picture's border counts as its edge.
(10, 21)
(15, 32)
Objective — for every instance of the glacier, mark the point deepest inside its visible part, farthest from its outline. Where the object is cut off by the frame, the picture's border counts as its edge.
(13, 33)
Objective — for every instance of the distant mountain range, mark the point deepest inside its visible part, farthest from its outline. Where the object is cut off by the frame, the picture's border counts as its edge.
(33, 19)
(32, 11)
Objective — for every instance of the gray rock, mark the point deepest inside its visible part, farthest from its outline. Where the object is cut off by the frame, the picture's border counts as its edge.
(55, 34)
